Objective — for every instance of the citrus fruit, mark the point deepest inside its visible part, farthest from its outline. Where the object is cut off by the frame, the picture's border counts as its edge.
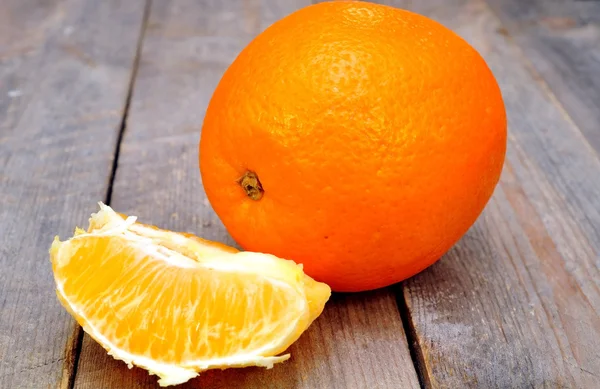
(176, 304)
(358, 139)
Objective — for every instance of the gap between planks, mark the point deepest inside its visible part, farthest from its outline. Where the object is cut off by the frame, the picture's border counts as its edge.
(74, 351)
(412, 338)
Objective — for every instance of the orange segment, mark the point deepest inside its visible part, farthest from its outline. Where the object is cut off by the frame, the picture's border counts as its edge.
(176, 304)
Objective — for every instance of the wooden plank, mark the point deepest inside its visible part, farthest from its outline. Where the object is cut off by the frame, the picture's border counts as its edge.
(354, 344)
(516, 303)
(358, 342)
(64, 79)
(561, 39)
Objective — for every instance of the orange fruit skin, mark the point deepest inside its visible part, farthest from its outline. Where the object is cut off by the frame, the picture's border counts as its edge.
(378, 136)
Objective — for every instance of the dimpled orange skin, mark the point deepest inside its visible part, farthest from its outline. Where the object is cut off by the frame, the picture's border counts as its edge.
(378, 136)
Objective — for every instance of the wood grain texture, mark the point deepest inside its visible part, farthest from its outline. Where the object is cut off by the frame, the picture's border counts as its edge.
(516, 302)
(63, 82)
(561, 39)
(358, 342)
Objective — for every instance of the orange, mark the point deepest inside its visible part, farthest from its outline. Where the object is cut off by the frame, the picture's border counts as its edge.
(357, 139)
(176, 304)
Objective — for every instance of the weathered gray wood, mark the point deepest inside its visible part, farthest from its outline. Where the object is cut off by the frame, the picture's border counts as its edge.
(561, 39)
(64, 78)
(516, 303)
(358, 342)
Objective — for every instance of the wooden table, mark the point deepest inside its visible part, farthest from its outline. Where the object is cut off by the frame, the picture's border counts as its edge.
(103, 100)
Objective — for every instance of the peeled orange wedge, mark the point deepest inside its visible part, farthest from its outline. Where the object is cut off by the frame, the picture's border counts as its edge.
(176, 304)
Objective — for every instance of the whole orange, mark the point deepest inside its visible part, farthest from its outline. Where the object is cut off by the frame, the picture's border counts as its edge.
(357, 139)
